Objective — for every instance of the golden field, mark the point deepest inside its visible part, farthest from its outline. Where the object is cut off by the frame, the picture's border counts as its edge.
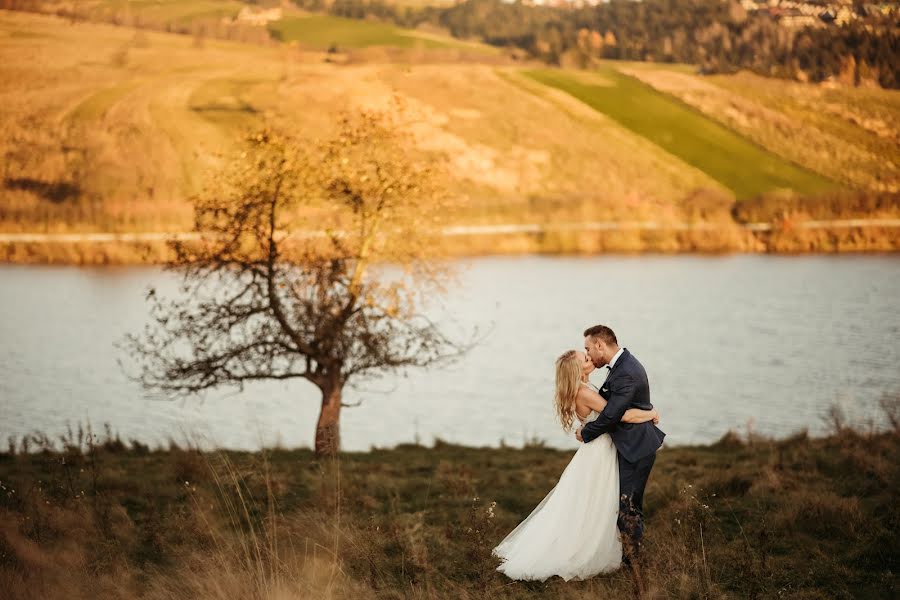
(113, 129)
(157, 108)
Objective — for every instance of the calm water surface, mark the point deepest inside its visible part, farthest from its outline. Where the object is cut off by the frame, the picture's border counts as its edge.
(771, 342)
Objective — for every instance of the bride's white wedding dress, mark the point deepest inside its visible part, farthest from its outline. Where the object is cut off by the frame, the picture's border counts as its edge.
(572, 532)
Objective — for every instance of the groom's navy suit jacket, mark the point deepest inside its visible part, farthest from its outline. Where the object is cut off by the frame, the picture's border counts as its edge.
(626, 387)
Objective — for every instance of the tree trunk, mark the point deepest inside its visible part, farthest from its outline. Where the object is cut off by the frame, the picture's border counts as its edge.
(328, 433)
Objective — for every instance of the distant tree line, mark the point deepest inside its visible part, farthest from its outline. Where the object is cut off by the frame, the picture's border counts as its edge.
(717, 35)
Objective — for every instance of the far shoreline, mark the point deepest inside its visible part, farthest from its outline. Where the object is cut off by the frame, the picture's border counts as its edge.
(700, 239)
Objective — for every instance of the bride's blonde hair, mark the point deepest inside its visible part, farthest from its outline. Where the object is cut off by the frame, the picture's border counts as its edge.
(568, 378)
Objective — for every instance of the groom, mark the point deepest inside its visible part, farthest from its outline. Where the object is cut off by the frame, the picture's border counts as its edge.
(625, 387)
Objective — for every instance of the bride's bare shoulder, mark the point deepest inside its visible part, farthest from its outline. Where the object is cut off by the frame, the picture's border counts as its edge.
(589, 400)
(582, 406)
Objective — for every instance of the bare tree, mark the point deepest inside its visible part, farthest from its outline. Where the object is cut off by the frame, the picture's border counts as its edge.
(287, 281)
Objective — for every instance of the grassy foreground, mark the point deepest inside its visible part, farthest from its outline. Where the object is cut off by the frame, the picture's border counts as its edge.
(798, 518)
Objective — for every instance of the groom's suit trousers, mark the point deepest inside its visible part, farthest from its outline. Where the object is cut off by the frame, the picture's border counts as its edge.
(633, 478)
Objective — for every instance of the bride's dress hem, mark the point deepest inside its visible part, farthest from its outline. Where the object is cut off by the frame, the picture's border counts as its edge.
(542, 578)
(572, 533)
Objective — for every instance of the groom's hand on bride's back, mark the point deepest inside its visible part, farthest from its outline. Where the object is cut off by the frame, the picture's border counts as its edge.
(578, 435)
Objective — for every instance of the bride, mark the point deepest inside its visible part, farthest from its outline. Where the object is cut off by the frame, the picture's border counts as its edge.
(572, 532)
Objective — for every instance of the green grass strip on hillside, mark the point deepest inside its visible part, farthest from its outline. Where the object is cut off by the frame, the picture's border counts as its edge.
(320, 31)
(736, 162)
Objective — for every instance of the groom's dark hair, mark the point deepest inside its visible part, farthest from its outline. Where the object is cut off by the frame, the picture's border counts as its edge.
(603, 332)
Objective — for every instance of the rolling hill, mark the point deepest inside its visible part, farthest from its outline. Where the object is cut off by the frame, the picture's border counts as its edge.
(120, 133)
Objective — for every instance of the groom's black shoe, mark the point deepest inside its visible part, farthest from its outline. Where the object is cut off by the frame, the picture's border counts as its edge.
(631, 555)
(627, 561)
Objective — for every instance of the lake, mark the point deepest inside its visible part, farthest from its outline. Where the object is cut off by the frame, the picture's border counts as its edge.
(769, 343)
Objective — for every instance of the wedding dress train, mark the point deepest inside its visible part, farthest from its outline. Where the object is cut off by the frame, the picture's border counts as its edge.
(572, 533)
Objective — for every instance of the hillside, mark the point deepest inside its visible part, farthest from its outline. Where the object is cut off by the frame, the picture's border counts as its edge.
(154, 107)
(117, 136)
(738, 164)
(851, 135)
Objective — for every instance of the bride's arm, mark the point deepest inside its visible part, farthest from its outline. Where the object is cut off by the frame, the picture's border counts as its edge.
(591, 399)
(637, 415)
(595, 401)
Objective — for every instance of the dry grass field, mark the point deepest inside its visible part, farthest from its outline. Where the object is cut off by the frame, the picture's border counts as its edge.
(800, 518)
(108, 127)
(161, 11)
(131, 121)
(113, 129)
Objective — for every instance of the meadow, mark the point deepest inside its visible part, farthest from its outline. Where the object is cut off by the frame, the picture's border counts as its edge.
(150, 111)
(121, 134)
(91, 516)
